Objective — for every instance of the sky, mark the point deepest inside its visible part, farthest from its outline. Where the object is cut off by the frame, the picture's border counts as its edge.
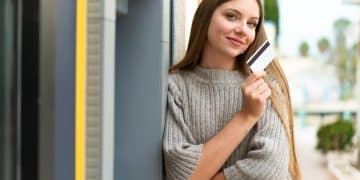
(309, 20)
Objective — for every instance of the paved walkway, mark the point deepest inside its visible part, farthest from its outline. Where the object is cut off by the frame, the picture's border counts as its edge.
(312, 162)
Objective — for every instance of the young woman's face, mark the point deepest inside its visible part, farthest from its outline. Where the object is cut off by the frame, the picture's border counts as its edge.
(232, 27)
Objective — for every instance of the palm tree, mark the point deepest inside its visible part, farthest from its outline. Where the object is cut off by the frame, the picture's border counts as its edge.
(342, 58)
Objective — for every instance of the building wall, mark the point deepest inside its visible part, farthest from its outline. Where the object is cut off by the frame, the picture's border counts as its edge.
(142, 55)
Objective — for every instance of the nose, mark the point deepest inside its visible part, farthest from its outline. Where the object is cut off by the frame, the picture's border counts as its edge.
(240, 27)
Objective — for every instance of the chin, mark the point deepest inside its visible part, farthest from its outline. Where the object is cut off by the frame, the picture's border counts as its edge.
(234, 54)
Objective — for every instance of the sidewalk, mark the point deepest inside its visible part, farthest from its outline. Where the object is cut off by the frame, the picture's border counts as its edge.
(312, 162)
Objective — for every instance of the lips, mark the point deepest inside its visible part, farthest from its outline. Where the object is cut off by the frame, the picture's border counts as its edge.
(236, 41)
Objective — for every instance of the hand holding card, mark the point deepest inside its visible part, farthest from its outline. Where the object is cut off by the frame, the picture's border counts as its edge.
(262, 57)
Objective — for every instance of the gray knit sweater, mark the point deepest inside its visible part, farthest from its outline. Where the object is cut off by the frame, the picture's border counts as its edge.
(200, 103)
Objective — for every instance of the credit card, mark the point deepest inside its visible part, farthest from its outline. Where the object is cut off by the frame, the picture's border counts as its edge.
(262, 57)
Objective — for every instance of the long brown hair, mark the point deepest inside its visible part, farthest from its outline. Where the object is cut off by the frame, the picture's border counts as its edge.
(198, 38)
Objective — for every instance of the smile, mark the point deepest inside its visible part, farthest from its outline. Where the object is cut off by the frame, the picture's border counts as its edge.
(235, 41)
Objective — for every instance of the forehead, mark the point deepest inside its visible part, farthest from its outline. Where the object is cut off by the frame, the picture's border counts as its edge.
(248, 7)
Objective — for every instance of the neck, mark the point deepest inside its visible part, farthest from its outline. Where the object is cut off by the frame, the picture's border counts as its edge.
(213, 59)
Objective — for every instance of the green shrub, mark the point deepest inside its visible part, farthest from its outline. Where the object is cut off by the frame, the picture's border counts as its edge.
(335, 136)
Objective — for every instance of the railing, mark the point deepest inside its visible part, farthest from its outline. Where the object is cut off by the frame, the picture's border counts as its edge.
(346, 109)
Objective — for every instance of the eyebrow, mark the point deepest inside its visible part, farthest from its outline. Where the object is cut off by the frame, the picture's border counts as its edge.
(238, 12)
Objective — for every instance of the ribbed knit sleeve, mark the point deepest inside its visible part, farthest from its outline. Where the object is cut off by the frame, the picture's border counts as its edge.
(181, 153)
(268, 152)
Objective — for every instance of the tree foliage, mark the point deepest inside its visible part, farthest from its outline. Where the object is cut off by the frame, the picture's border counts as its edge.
(335, 136)
(304, 49)
(345, 59)
(323, 45)
(271, 10)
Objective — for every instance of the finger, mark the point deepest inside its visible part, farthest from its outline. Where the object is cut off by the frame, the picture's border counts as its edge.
(257, 84)
(266, 94)
(255, 89)
(258, 93)
(262, 88)
(253, 77)
(253, 83)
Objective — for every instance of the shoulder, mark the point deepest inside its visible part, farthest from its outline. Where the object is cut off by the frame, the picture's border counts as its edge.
(175, 82)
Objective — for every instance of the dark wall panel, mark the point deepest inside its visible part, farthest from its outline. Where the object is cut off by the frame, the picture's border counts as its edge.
(29, 90)
(65, 89)
(139, 72)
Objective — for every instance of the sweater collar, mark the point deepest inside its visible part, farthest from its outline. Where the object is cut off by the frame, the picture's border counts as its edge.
(219, 75)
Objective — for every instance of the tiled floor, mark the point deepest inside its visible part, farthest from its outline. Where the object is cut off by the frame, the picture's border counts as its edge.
(312, 162)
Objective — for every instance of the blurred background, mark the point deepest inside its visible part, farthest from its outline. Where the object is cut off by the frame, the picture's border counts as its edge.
(318, 45)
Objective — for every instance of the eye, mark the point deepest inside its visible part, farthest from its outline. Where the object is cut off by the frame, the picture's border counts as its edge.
(252, 24)
(231, 16)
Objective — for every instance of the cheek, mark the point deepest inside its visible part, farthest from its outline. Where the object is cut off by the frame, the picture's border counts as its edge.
(219, 27)
(225, 27)
(251, 37)
(214, 34)
(210, 37)
(211, 32)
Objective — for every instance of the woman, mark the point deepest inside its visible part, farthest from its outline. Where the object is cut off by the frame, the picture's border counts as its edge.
(222, 121)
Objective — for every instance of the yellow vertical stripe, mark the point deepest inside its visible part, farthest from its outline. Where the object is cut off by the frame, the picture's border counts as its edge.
(80, 98)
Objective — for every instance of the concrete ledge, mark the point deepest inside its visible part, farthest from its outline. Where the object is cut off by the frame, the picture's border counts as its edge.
(340, 165)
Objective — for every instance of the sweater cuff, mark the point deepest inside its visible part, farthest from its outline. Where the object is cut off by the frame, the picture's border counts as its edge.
(182, 161)
(231, 173)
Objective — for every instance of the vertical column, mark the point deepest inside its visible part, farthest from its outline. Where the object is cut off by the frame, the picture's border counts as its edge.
(142, 55)
(47, 90)
(80, 89)
(357, 94)
(94, 89)
(178, 28)
(108, 92)
(100, 89)
(183, 12)
(57, 89)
